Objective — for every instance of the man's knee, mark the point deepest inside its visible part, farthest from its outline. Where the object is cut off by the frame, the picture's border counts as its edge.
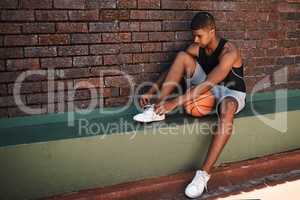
(228, 107)
(184, 55)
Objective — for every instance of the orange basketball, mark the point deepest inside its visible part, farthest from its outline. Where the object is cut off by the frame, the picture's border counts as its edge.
(201, 105)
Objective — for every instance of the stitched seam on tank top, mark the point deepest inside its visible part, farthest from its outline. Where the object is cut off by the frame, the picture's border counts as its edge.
(236, 74)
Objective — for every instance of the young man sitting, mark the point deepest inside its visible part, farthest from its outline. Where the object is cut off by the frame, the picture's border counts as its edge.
(209, 63)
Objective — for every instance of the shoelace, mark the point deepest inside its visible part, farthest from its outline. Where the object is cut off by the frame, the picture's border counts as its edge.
(149, 109)
(199, 178)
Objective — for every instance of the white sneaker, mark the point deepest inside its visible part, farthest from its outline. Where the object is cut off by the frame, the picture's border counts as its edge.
(199, 182)
(148, 115)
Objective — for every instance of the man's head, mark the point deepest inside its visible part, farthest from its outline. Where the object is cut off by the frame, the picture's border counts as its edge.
(204, 28)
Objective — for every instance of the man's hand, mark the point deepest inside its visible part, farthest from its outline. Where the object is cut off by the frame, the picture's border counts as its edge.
(165, 107)
(145, 99)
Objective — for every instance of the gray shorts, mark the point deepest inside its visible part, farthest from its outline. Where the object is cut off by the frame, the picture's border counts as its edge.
(219, 91)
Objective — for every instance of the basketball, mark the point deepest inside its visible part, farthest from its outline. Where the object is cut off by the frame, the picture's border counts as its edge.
(201, 105)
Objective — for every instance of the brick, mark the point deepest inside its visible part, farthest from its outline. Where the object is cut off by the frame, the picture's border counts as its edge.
(148, 4)
(141, 58)
(88, 83)
(77, 73)
(127, 4)
(1, 41)
(63, 62)
(173, 46)
(174, 4)
(90, 38)
(132, 69)
(17, 15)
(161, 14)
(41, 98)
(235, 35)
(36, 4)
(175, 25)
(152, 67)
(151, 47)
(71, 27)
(51, 15)
(227, 6)
(3, 89)
(84, 15)
(9, 4)
(9, 28)
(20, 40)
(116, 101)
(16, 111)
(275, 52)
(2, 65)
(290, 16)
(8, 77)
(151, 26)
(116, 81)
(7, 101)
(183, 15)
(72, 50)
(130, 48)
(26, 87)
(93, 4)
(110, 92)
(119, 59)
(201, 5)
(183, 35)
(40, 51)
(87, 61)
(263, 61)
(139, 37)
(69, 4)
(11, 53)
(116, 37)
(125, 92)
(294, 34)
(285, 61)
(292, 51)
(297, 59)
(129, 26)
(113, 15)
(161, 36)
(104, 49)
(22, 64)
(52, 39)
(160, 57)
(287, 7)
(103, 27)
(105, 71)
(38, 28)
(139, 14)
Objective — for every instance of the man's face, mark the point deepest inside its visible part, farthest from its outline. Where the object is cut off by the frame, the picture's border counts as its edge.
(203, 36)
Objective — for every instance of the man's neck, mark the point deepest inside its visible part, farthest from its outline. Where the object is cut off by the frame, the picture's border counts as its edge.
(211, 47)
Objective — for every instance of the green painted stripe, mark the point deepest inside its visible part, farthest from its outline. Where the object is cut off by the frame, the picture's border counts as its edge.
(24, 130)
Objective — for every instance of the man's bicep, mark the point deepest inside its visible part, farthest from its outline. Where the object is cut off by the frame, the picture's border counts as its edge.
(220, 72)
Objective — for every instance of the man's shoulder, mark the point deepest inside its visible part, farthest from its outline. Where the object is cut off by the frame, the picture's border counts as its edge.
(230, 48)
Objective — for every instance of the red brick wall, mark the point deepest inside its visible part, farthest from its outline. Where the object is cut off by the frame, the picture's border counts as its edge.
(80, 38)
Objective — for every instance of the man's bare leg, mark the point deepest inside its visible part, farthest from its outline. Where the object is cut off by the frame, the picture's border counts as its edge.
(227, 109)
(184, 64)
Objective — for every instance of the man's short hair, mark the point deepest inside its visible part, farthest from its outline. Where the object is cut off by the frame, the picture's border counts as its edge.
(203, 20)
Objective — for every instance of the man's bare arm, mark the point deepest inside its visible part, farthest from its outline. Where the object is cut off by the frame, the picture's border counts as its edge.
(217, 75)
